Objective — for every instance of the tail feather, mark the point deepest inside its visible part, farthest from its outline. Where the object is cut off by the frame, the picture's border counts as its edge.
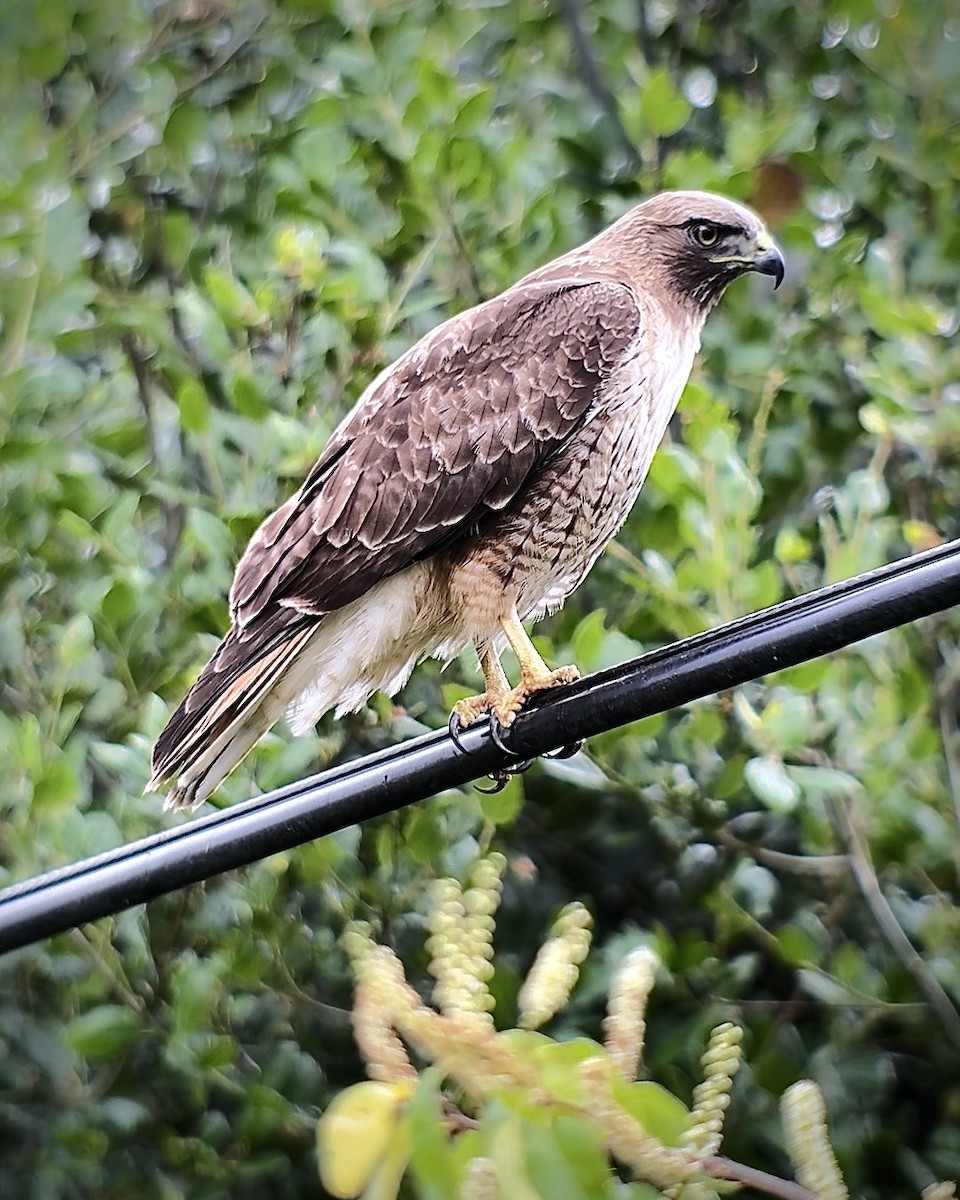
(296, 662)
(236, 699)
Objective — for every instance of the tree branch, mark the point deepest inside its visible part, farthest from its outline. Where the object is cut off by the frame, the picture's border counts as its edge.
(759, 1181)
(890, 927)
(593, 79)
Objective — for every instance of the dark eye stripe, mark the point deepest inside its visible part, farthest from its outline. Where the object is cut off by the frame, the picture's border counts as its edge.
(722, 230)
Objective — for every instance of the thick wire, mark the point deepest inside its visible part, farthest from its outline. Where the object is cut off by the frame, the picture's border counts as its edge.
(770, 640)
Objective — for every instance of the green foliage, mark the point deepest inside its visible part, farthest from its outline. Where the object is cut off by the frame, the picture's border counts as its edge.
(540, 1117)
(515, 1113)
(217, 223)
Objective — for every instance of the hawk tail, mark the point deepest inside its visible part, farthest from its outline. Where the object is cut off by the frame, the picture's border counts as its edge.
(237, 697)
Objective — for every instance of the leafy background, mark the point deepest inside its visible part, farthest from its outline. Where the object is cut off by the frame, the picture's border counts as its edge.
(217, 222)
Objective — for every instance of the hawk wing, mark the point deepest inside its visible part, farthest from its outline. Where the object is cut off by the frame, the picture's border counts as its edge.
(445, 437)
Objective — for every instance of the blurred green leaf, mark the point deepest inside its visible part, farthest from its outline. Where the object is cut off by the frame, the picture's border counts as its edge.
(662, 108)
(658, 1111)
(194, 407)
(551, 1172)
(767, 778)
(103, 1032)
(501, 806)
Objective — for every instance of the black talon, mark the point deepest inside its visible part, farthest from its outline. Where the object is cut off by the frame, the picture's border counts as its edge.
(503, 776)
(500, 779)
(455, 728)
(498, 735)
(565, 751)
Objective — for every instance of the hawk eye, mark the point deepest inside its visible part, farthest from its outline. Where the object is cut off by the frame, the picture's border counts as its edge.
(705, 234)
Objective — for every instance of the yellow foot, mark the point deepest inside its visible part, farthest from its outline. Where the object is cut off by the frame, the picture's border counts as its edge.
(472, 708)
(505, 708)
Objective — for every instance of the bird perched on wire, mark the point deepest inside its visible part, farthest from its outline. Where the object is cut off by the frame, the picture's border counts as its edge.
(471, 488)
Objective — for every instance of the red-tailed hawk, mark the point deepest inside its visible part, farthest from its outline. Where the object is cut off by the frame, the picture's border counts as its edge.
(470, 489)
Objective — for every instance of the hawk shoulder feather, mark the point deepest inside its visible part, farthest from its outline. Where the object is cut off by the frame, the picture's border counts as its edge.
(448, 435)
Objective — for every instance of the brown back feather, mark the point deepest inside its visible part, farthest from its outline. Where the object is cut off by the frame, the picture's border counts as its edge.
(448, 435)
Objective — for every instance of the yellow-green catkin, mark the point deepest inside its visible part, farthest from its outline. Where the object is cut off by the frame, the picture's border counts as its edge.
(711, 1097)
(939, 1191)
(381, 988)
(647, 1157)
(804, 1119)
(446, 945)
(556, 968)
(357, 941)
(479, 1180)
(380, 1047)
(480, 904)
(625, 1027)
(461, 928)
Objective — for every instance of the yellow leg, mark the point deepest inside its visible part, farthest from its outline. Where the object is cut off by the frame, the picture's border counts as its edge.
(497, 686)
(535, 675)
(532, 666)
(499, 697)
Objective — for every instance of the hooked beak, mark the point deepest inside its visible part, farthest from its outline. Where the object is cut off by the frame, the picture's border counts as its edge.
(769, 261)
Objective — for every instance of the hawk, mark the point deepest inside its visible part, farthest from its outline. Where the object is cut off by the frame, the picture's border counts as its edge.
(470, 489)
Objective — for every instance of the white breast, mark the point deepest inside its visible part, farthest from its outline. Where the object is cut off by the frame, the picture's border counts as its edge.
(599, 480)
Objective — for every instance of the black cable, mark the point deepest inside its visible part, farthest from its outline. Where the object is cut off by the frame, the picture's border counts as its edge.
(770, 640)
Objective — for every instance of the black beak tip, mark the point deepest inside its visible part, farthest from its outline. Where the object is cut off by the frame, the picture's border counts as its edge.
(770, 262)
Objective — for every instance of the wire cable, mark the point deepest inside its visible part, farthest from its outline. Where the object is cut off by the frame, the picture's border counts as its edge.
(770, 640)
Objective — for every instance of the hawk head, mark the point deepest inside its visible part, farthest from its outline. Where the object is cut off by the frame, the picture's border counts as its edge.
(697, 243)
